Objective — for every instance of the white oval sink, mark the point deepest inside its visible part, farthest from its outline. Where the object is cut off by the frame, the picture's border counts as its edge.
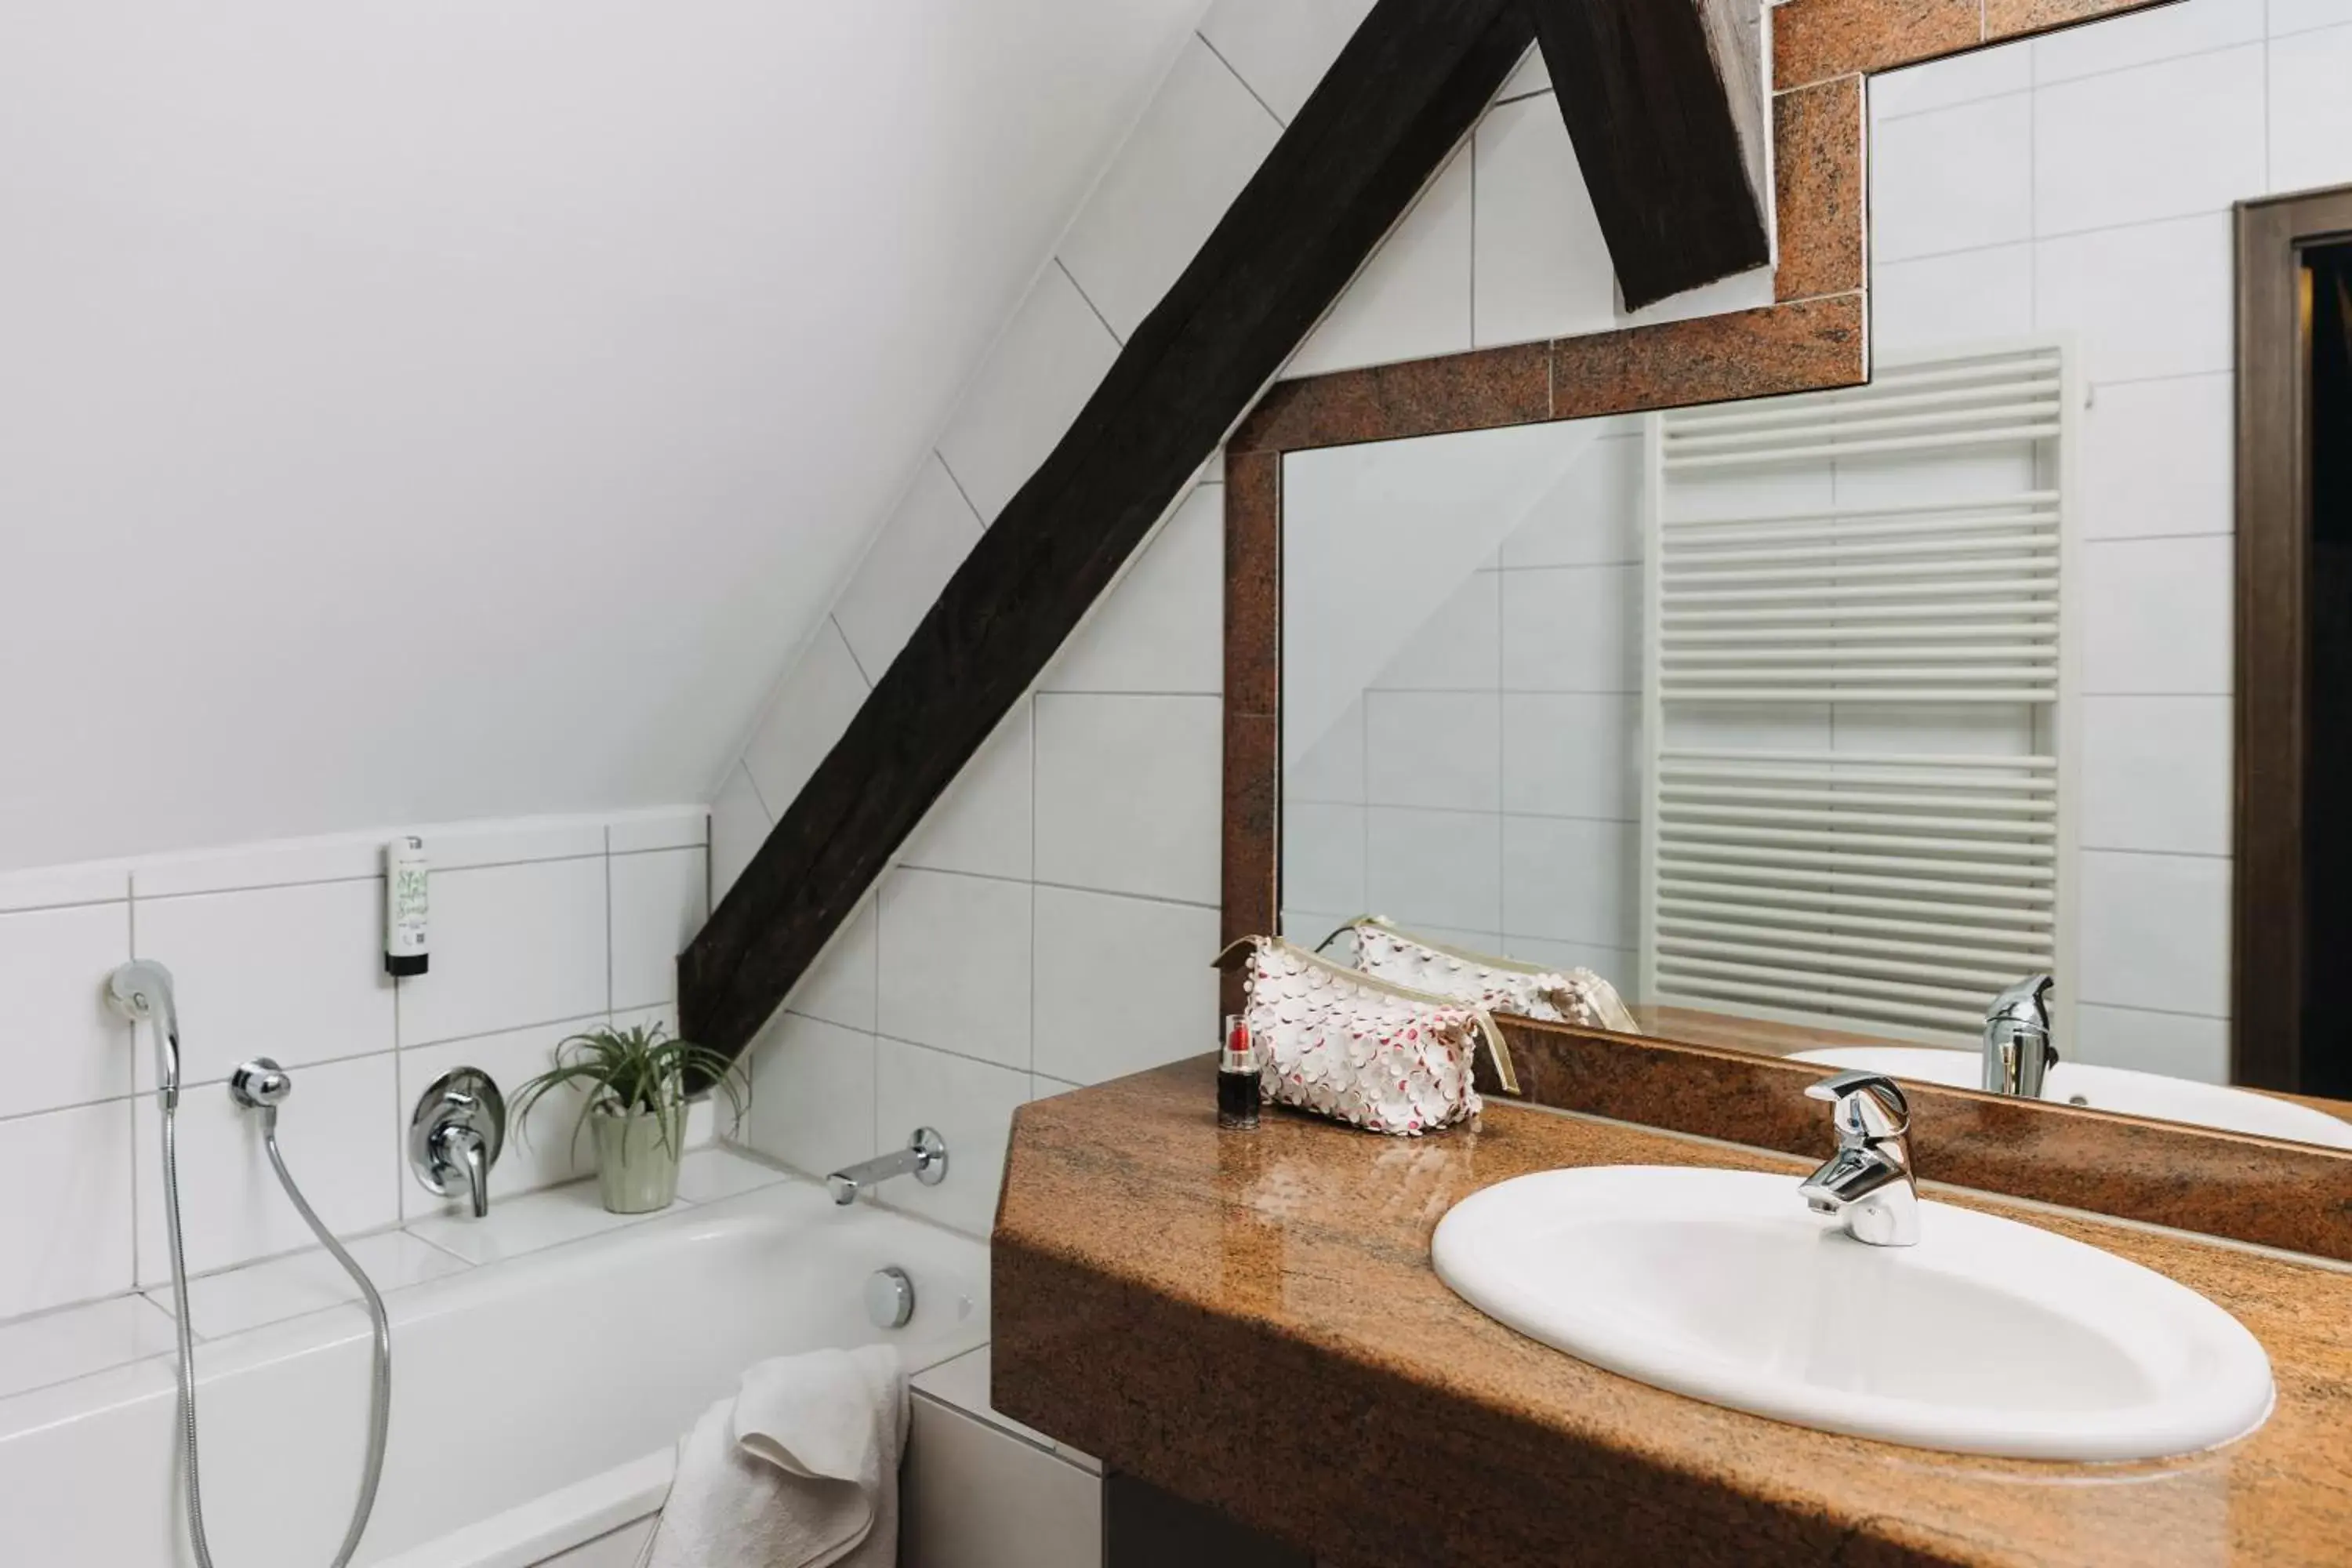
(1988, 1337)
(2109, 1088)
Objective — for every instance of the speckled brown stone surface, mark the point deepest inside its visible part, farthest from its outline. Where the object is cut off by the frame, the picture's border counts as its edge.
(1798, 347)
(1817, 169)
(1252, 768)
(1471, 391)
(1253, 582)
(1692, 1027)
(2293, 1195)
(1250, 1321)
(1815, 39)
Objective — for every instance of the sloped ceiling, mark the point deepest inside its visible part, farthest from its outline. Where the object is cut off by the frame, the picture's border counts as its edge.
(412, 410)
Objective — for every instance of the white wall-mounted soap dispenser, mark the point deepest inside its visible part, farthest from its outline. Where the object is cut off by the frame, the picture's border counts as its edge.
(405, 888)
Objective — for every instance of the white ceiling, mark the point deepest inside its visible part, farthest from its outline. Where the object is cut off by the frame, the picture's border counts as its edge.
(414, 410)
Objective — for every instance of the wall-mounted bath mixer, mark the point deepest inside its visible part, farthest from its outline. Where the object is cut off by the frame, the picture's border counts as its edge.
(454, 1136)
(141, 992)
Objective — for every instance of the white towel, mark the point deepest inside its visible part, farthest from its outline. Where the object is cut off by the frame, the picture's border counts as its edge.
(800, 1469)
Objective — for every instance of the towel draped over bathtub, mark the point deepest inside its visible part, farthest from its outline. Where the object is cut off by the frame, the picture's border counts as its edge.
(799, 1469)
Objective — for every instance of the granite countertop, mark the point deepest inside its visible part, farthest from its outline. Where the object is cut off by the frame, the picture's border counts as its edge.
(1251, 1320)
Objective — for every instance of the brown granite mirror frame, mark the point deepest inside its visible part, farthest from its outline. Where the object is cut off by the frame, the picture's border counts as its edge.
(2250, 1189)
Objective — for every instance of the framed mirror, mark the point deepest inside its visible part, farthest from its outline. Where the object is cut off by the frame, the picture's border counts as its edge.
(1824, 724)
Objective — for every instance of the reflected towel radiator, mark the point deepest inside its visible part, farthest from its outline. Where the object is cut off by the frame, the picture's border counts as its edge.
(1857, 807)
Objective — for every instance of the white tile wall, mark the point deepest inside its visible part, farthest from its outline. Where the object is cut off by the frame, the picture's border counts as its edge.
(2117, 148)
(810, 710)
(1967, 296)
(1413, 298)
(514, 946)
(1324, 848)
(1457, 648)
(2167, 32)
(82, 1050)
(1542, 269)
(1332, 767)
(2178, 1044)
(1967, 178)
(66, 1223)
(659, 900)
(1594, 516)
(823, 1117)
(2157, 773)
(840, 986)
(2146, 300)
(1160, 627)
(340, 1135)
(1040, 373)
(954, 963)
(1572, 879)
(2157, 458)
(2155, 932)
(1282, 47)
(1441, 749)
(1982, 73)
(2158, 615)
(972, 1104)
(1572, 628)
(1202, 136)
(1446, 867)
(1531, 75)
(1130, 794)
(981, 824)
(1572, 754)
(1121, 984)
(2300, 15)
(278, 950)
(294, 973)
(909, 562)
(2310, 114)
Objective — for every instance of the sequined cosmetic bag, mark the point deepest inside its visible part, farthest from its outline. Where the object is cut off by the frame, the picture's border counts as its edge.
(1361, 1050)
(1501, 984)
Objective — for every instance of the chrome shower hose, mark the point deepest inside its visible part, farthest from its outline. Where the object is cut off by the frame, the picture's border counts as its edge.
(380, 1404)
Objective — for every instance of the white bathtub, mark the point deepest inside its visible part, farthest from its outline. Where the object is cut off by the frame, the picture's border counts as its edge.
(534, 1402)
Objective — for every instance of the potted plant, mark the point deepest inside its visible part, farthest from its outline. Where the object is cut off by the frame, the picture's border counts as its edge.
(635, 1083)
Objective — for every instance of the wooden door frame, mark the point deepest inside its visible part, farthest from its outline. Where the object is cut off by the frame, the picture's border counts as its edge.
(2274, 503)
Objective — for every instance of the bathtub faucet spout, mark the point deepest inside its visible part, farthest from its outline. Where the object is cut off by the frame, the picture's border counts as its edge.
(925, 1158)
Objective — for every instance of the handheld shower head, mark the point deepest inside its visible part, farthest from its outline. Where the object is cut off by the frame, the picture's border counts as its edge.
(141, 992)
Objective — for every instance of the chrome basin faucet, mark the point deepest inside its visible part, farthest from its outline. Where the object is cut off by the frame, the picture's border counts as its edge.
(2018, 1050)
(1867, 1183)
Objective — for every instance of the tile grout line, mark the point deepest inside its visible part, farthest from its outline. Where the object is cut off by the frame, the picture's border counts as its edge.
(949, 469)
(1073, 886)
(855, 663)
(1237, 76)
(1064, 267)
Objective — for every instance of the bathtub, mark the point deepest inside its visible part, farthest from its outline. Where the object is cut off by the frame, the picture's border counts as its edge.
(535, 1401)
